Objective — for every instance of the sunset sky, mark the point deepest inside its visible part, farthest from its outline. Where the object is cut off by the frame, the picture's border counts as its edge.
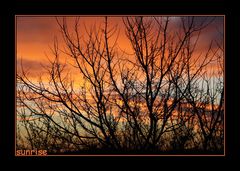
(97, 82)
(35, 35)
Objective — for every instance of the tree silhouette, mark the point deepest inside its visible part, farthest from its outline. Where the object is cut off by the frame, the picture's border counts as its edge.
(160, 98)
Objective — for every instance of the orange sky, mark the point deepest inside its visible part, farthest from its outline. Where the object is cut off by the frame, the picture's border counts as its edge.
(36, 34)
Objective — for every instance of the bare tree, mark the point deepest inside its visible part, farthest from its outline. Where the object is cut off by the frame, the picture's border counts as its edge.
(159, 98)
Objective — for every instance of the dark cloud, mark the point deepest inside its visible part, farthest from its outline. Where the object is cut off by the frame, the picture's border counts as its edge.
(36, 29)
(32, 66)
